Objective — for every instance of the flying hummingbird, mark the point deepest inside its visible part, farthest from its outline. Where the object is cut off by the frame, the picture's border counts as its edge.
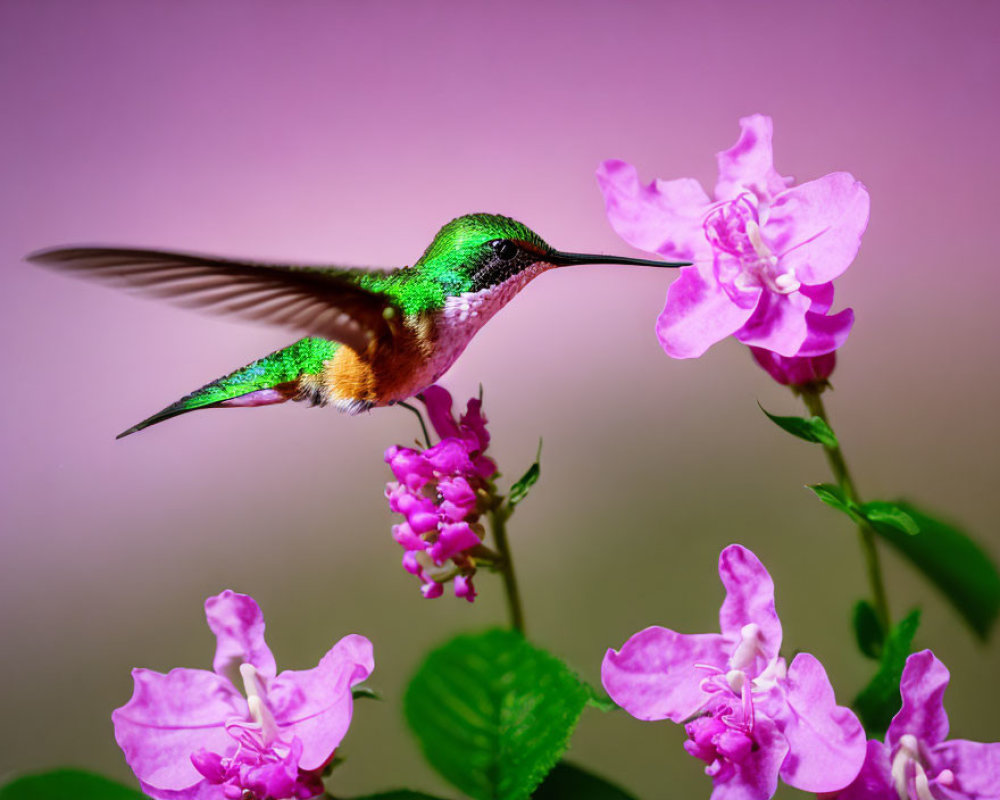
(375, 337)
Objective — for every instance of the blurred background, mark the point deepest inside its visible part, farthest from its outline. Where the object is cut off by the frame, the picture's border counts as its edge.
(350, 132)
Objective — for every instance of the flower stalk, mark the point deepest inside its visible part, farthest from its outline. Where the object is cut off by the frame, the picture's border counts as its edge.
(498, 517)
(811, 396)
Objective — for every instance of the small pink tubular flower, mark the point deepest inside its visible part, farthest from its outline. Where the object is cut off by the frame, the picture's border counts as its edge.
(193, 735)
(916, 762)
(440, 491)
(765, 252)
(747, 716)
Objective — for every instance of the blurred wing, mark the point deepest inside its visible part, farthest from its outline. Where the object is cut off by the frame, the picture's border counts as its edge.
(320, 301)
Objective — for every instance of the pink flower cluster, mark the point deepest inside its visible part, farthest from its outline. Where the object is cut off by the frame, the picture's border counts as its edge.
(440, 491)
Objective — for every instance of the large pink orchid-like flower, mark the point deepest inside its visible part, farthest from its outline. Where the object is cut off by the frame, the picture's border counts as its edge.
(192, 734)
(916, 762)
(765, 252)
(748, 716)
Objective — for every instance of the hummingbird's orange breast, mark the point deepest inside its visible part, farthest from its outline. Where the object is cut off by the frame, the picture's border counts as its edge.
(420, 353)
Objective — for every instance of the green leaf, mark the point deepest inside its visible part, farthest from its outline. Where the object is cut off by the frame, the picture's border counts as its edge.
(879, 701)
(810, 429)
(952, 561)
(67, 784)
(891, 514)
(493, 713)
(523, 484)
(832, 496)
(570, 781)
(867, 629)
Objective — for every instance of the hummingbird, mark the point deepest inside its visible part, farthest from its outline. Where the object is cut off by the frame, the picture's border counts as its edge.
(373, 337)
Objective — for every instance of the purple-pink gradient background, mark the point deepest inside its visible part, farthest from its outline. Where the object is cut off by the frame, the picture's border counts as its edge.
(350, 132)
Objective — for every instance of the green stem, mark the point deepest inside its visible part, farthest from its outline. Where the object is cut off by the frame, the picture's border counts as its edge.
(834, 455)
(423, 425)
(498, 523)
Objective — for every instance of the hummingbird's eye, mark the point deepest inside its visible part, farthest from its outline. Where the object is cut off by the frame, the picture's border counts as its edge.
(504, 248)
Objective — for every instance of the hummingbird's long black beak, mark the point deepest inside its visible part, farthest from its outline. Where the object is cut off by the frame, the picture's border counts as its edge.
(561, 259)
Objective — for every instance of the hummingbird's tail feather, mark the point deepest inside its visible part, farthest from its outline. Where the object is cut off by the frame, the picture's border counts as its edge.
(292, 373)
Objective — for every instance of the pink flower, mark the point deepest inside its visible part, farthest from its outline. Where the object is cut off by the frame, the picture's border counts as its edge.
(441, 492)
(916, 762)
(795, 370)
(765, 251)
(192, 735)
(747, 716)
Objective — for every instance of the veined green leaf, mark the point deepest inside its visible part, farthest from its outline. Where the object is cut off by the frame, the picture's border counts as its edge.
(523, 484)
(493, 713)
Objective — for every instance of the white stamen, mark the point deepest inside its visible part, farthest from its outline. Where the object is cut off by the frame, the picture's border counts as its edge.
(259, 712)
(909, 752)
(762, 250)
(922, 785)
(946, 777)
(749, 646)
(786, 282)
(735, 678)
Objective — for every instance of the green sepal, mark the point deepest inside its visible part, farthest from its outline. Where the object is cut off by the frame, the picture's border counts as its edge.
(879, 701)
(67, 784)
(570, 781)
(523, 484)
(868, 631)
(493, 713)
(600, 699)
(809, 429)
(951, 560)
(363, 692)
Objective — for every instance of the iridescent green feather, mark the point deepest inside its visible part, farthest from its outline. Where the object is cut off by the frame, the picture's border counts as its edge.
(447, 265)
(285, 366)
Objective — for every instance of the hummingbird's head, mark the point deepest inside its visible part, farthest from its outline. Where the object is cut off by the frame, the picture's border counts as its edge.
(482, 251)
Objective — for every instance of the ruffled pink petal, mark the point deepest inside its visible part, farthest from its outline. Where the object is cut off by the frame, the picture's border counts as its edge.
(816, 227)
(976, 766)
(874, 782)
(438, 403)
(756, 778)
(778, 323)
(474, 423)
(826, 333)
(698, 313)
(238, 625)
(749, 600)
(749, 164)
(316, 704)
(455, 537)
(664, 217)
(826, 741)
(449, 456)
(172, 716)
(820, 297)
(922, 688)
(656, 675)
